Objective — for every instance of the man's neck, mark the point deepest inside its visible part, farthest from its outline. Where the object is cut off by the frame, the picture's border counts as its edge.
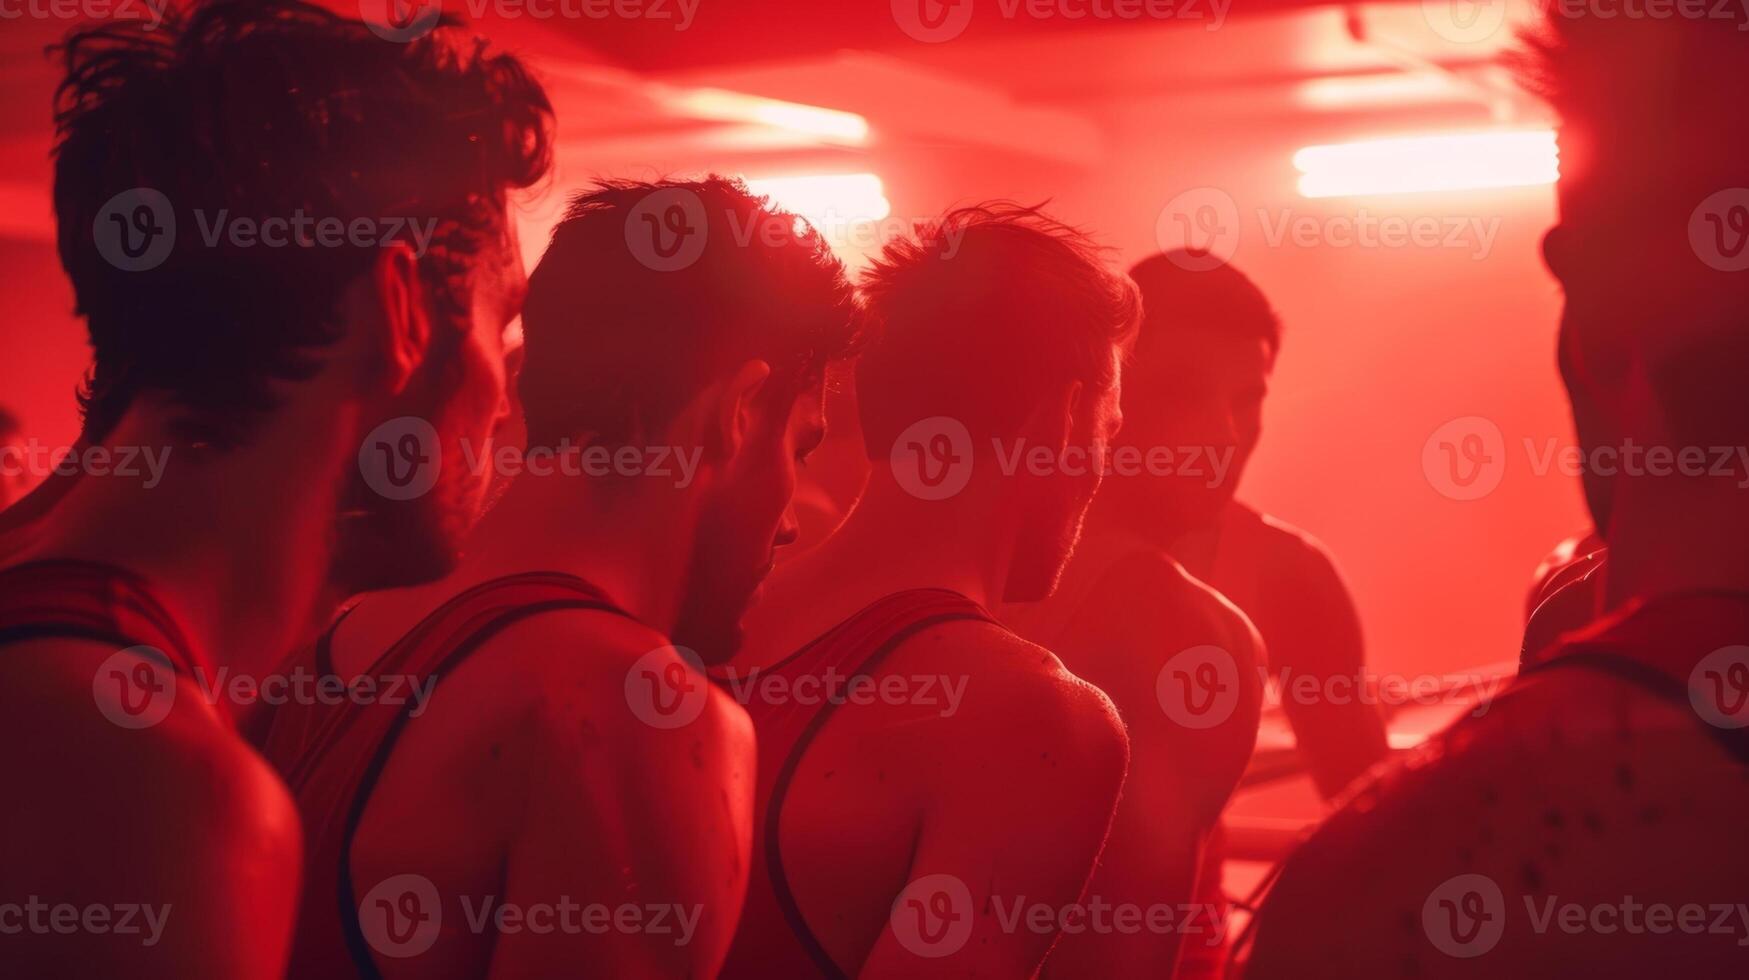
(635, 547)
(899, 542)
(1671, 535)
(1129, 509)
(237, 545)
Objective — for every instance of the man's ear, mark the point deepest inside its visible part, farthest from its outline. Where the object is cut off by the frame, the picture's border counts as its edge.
(402, 333)
(732, 417)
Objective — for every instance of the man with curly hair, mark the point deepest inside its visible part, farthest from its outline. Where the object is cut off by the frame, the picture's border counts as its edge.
(287, 238)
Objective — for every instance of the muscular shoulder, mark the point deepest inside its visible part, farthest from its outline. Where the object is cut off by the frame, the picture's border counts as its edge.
(1018, 701)
(1293, 549)
(572, 684)
(1563, 790)
(149, 744)
(1163, 594)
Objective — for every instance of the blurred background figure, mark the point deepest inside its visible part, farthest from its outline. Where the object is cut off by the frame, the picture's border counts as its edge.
(1195, 389)
(1192, 408)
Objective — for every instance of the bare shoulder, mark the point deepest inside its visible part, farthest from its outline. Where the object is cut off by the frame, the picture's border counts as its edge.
(584, 680)
(149, 745)
(1299, 550)
(1019, 700)
(1165, 609)
(1562, 791)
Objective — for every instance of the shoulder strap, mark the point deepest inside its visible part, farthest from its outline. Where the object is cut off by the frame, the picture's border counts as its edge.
(475, 616)
(1623, 665)
(89, 601)
(884, 626)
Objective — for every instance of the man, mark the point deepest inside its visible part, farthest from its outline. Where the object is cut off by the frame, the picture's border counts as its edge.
(1200, 375)
(260, 371)
(1590, 822)
(1180, 661)
(563, 751)
(1135, 622)
(933, 790)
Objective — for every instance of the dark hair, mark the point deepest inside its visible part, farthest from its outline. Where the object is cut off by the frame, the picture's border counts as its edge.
(9, 424)
(980, 315)
(1179, 295)
(1659, 105)
(619, 338)
(1583, 64)
(272, 109)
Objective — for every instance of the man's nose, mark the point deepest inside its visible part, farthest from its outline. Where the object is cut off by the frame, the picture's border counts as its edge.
(790, 528)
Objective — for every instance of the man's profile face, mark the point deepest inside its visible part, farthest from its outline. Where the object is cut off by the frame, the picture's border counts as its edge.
(1627, 270)
(1058, 500)
(463, 397)
(1206, 403)
(747, 516)
(1631, 247)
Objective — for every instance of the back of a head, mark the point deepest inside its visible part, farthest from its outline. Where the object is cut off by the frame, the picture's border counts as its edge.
(1654, 166)
(621, 335)
(984, 315)
(169, 137)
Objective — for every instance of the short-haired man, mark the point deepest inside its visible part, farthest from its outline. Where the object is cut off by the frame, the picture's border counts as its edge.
(932, 786)
(569, 795)
(1590, 822)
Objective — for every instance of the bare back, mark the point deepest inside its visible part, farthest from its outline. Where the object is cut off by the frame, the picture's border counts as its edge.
(1181, 663)
(575, 833)
(147, 839)
(940, 778)
(1585, 823)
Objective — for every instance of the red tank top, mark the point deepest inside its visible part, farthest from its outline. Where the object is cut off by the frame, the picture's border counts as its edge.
(87, 601)
(331, 754)
(1691, 650)
(773, 939)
